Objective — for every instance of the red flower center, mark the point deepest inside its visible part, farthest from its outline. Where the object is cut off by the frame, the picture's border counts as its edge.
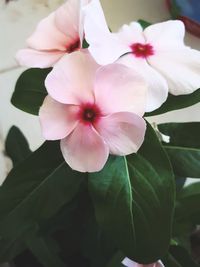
(89, 113)
(74, 46)
(142, 50)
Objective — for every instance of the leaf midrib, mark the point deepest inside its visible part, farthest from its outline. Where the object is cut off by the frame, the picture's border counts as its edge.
(131, 202)
(33, 191)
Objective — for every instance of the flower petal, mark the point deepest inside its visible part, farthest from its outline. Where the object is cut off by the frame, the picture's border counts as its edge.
(129, 263)
(70, 14)
(119, 88)
(57, 120)
(72, 79)
(47, 36)
(84, 149)
(180, 67)
(38, 59)
(129, 34)
(179, 64)
(165, 34)
(105, 47)
(67, 18)
(123, 132)
(157, 86)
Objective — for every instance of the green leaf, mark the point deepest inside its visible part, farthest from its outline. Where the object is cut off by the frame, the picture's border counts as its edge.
(188, 208)
(184, 147)
(17, 147)
(96, 246)
(176, 102)
(182, 257)
(170, 261)
(116, 260)
(144, 23)
(44, 252)
(8, 251)
(111, 193)
(10, 248)
(36, 189)
(69, 226)
(30, 90)
(134, 201)
(85, 44)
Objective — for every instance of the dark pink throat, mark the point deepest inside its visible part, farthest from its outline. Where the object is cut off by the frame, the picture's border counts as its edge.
(89, 113)
(142, 50)
(76, 45)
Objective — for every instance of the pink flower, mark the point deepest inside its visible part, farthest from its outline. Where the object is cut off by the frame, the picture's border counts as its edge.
(93, 110)
(158, 53)
(129, 263)
(56, 35)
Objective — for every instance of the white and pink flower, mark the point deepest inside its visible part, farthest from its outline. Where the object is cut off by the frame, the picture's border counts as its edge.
(58, 34)
(129, 263)
(93, 110)
(158, 53)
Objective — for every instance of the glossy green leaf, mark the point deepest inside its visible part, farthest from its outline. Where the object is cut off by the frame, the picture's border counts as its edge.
(30, 90)
(17, 147)
(10, 248)
(182, 257)
(96, 246)
(111, 193)
(72, 232)
(144, 23)
(153, 194)
(170, 261)
(188, 208)
(44, 251)
(116, 260)
(85, 44)
(134, 201)
(177, 102)
(184, 147)
(36, 189)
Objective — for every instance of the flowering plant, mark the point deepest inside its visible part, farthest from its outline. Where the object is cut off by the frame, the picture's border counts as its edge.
(106, 189)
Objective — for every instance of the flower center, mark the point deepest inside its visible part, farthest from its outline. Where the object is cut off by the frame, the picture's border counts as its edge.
(73, 46)
(89, 113)
(142, 50)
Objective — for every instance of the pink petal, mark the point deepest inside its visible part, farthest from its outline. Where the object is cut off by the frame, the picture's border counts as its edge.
(82, 18)
(108, 51)
(84, 150)
(47, 36)
(67, 20)
(38, 59)
(129, 263)
(180, 67)
(123, 132)
(104, 46)
(157, 86)
(72, 79)
(165, 34)
(129, 34)
(57, 120)
(93, 12)
(119, 88)
(179, 64)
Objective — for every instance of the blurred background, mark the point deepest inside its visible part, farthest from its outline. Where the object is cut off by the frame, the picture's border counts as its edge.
(18, 19)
